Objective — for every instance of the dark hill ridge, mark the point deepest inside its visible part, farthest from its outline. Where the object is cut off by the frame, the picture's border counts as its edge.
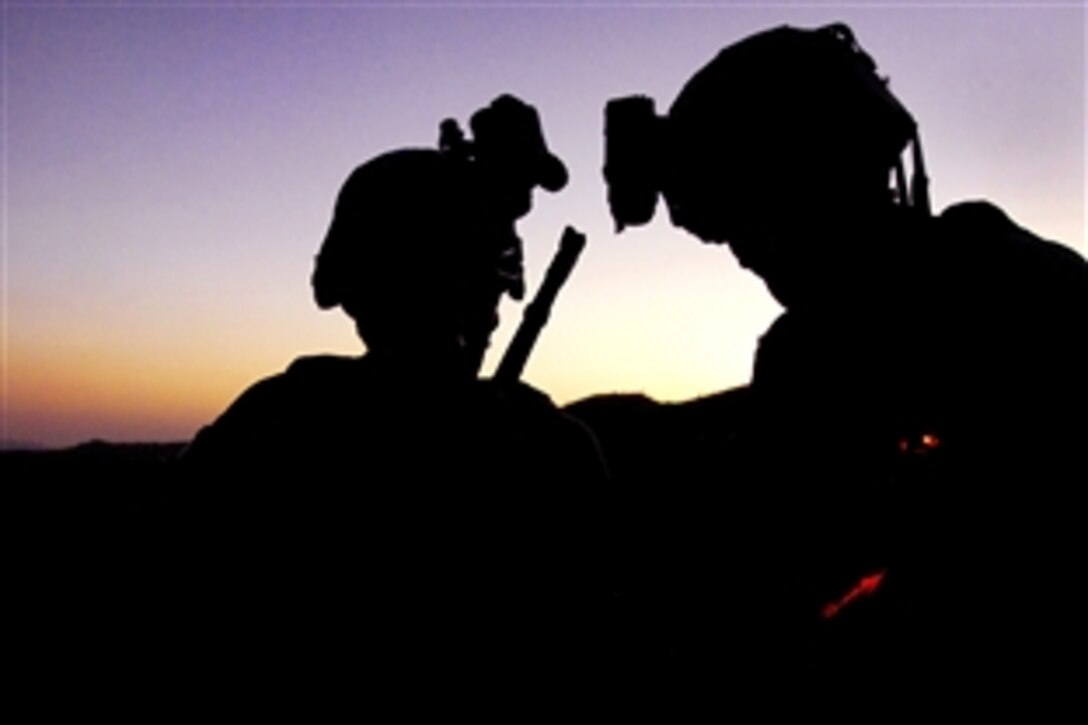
(635, 431)
(98, 449)
(15, 456)
(76, 509)
(644, 439)
(90, 474)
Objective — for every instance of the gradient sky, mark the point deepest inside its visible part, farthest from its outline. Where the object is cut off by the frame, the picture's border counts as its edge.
(169, 171)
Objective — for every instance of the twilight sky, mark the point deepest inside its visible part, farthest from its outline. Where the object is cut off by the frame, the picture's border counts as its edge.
(169, 170)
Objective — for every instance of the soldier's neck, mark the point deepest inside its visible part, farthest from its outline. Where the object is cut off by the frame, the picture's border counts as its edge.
(420, 367)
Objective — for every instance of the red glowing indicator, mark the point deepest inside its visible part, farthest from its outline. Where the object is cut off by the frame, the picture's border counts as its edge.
(920, 445)
(865, 587)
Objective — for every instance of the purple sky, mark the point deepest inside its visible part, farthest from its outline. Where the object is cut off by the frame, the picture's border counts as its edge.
(170, 169)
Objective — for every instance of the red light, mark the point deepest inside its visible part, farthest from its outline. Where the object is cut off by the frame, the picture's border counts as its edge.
(865, 587)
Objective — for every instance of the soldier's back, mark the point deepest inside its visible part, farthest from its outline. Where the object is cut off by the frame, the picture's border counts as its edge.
(439, 531)
(936, 429)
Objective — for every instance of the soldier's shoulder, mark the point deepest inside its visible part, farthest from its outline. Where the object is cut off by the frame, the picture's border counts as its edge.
(504, 405)
(319, 368)
(982, 249)
(534, 424)
(301, 380)
(522, 395)
(986, 228)
(270, 406)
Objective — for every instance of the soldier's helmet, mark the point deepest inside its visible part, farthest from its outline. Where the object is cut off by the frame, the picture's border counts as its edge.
(416, 231)
(399, 219)
(787, 114)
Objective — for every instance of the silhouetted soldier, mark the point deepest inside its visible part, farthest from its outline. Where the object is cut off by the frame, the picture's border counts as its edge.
(411, 517)
(919, 408)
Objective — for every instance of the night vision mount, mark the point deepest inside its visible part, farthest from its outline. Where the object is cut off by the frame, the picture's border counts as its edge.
(507, 138)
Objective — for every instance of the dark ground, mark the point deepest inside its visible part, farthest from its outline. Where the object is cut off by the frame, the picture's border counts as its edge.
(694, 595)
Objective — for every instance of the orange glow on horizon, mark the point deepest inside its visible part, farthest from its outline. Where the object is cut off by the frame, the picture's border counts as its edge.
(62, 397)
